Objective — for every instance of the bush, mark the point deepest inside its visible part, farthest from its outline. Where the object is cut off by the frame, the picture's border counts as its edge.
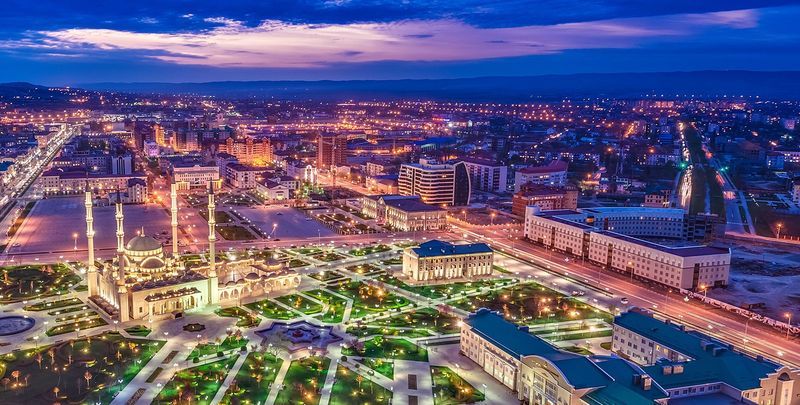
(219, 354)
(195, 359)
(344, 358)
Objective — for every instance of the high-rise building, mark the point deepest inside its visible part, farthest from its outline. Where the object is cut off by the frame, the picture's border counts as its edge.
(553, 174)
(487, 175)
(331, 150)
(438, 184)
(248, 151)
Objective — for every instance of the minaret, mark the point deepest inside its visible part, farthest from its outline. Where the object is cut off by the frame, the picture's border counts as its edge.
(90, 268)
(212, 237)
(120, 241)
(173, 194)
(213, 282)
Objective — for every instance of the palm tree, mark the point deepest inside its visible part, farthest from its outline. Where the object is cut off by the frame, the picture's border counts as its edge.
(359, 379)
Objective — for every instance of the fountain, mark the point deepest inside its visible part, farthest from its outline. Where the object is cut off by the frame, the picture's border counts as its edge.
(11, 325)
(301, 335)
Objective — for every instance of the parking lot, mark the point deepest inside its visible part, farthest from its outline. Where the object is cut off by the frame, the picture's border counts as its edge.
(290, 222)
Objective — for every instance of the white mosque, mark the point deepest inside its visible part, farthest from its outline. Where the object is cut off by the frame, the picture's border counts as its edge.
(144, 283)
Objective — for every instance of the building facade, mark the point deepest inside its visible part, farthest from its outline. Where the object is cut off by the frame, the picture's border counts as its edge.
(437, 261)
(243, 176)
(552, 174)
(249, 151)
(195, 176)
(572, 232)
(545, 197)
(404, 213)
(542, 374)
(690, 365)
(437, 184)
(61, 181)
(487, 175)
(331, 150)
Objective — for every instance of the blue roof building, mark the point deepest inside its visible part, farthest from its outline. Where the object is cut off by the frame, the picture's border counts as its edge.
(543, 374)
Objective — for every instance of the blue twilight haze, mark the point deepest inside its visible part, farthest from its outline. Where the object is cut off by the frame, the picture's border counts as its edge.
(68, 42)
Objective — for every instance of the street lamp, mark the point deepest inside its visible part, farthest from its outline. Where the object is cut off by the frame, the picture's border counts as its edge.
(778, 235)
(788, 328)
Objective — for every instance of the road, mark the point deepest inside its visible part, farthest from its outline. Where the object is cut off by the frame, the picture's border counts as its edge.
(729, 327)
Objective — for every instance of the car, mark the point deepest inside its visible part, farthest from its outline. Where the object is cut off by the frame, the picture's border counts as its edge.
(280, 213)
(17, 244)
(624, 301)
(576, 293)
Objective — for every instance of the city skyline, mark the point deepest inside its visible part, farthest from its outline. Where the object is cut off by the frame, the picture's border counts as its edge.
(53, 44)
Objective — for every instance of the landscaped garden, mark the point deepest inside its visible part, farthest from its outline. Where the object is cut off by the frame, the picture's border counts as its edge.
(196, 385)
(138, 330)
(246, 319)
(326, 275)
(303, 381)
(297, 263)
(93, 321)
(253, 380)
(423, 318)
(364, 331)
(352, 388)
(300, 303)
(364, 269)
(328, 257)
(53, 305)
(369, 299)
(368, 250)
(445, 290)
(386, 348)
(87, 370)
(221, 217)
(234, 341)
(26, 282)
(450, 389)
(235, 232)
(307, 251)
(336, 305)
(271, 310)
(531, 303)
(384, 367)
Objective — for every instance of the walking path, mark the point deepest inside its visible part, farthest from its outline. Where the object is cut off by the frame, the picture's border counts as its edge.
(229, 379)
(275, 390)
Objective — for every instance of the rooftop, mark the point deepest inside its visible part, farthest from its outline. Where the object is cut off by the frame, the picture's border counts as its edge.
(439, 248)
(685, 251)
(554, 166)
(711, 361)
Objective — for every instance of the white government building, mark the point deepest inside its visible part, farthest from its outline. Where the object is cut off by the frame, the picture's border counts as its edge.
(611, 238)
(437, 260)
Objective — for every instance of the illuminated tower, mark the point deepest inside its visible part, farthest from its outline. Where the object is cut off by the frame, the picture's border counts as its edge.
(91, 270)
(212, 253)
(173, 195)
(120, 240)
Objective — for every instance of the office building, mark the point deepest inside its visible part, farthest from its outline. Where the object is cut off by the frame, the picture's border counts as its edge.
(331, 150)
(696, 368)
(404, 213)
(437, 184)
(552, 174)
(487, 175)
(541, 373)
(544, 197)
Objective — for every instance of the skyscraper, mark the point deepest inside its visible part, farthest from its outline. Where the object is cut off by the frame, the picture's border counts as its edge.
(331, 150)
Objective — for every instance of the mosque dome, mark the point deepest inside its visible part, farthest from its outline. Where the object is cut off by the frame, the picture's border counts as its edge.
(143, 244)
(152, 263)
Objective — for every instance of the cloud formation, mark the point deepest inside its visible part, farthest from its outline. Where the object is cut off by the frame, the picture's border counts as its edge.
(280, 44)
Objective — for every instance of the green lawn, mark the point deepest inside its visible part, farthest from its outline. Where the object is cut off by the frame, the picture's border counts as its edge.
(423, 318)
(368, 250)
(336, 305)
(449, 388)
(326, 275)
(363, 268)
(138, 330)
(531, 303)
(232, 342)
(53, 305)
(364, 331)
(235, 232)
(303, 381)
(83, 324)
(388, 348)
(297, 263)
(222, 217)
(328, 257)
(442, 290)
(300, 303)
(307, 251)
(384, 367)
(351, 388)
(368, 299)
(27, 282)
(253, 379)
(392, 261)
(107, 358)
(246, 319)
(271, 310)
(196, 385)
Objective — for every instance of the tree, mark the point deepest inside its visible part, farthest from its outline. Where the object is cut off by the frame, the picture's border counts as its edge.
(15, 375)
(359, 379)
(6, 382)
(87, 376)
(39, 359)
(56, 391)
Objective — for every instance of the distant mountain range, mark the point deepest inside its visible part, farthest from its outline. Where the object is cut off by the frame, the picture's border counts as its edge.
(778, 85)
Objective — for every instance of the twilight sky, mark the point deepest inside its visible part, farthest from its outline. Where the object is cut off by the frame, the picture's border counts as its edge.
(81, 41)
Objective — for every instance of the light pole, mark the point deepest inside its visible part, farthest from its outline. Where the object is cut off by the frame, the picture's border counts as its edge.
(75, 246)
(788, 328)
(778, 235)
